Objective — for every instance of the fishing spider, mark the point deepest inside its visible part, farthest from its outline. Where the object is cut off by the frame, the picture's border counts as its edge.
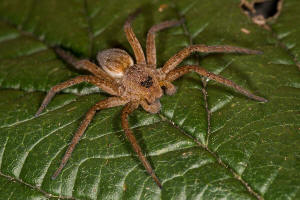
(133, 84)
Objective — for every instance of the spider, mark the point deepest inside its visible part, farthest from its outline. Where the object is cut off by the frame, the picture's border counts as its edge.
(134, 84)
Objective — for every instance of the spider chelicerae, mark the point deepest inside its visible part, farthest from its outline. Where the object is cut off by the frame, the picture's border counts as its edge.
(134, 84)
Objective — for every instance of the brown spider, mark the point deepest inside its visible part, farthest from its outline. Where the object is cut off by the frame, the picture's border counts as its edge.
(137, 84)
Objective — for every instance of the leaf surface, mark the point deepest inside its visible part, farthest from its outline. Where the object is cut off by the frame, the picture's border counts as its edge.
(208, 142)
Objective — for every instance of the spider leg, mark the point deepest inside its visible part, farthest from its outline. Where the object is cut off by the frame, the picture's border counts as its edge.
(82, 64)
(170, 89)
(178, 58)
(150, 44)
(105, 85)
(176, 73)
(125, 112)
(107, 103)
(133, 41)
(152, 108)
(94, 69)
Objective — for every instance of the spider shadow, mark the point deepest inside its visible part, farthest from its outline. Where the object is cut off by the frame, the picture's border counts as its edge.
(75, 55)
(138, 135)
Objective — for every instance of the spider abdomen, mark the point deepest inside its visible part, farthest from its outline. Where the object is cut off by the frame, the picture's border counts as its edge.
(115, 61)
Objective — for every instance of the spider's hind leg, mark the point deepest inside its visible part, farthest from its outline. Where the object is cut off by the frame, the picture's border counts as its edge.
(82, 64)
(178, 72)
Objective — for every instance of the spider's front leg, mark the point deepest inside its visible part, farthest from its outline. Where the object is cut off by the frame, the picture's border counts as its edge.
(129, 108)
(150, 44)
(176, 73)
(105, 85)
(178, 58)
(107, 103)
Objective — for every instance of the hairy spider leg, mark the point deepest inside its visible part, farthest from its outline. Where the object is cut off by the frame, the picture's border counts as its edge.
(82, 64)
(107, 103)
(106, 86)
(178, 72)
(169, 88)
(150, 44)
(151, 108)
(178, 58)
(133, 41)
(129, 108)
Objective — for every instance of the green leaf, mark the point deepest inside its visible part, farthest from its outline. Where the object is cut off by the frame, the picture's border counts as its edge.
(287, 32)
(216, 146)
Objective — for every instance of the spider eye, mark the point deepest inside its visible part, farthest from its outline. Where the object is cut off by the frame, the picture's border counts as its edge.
(147, 83)
(114, 61)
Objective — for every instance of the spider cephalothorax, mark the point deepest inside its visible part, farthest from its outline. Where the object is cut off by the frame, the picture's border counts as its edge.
(133, 84)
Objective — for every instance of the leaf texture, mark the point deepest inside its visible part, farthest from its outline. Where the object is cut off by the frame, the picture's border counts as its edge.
(208, 141)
